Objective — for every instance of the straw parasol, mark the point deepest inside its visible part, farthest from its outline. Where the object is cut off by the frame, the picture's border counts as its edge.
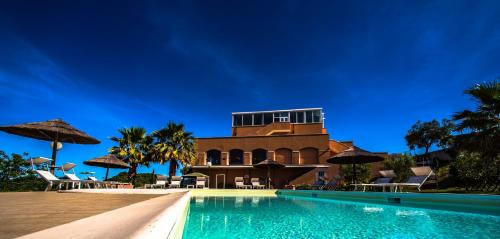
(107, 161)
(196, 175)
(55, 130)
(269, 164)
(355, 155)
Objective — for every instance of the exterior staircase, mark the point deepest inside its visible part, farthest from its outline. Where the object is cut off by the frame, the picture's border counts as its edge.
(276, 128)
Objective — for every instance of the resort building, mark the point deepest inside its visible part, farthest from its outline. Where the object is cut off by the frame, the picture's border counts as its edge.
(294, 138)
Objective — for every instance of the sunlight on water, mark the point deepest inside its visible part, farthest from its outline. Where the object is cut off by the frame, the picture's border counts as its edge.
(286, 217)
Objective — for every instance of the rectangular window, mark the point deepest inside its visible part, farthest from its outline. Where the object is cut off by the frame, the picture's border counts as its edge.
(247, 119)
(309, 116)
(237, 120)
(300, 117)
(257, 119)
(293, 117)
(268, 118)
(316, 116)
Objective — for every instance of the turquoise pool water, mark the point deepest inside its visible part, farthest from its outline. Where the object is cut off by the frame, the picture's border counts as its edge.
(292, 217)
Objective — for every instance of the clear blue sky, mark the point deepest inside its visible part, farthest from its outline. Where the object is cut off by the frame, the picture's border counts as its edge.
(375, 66)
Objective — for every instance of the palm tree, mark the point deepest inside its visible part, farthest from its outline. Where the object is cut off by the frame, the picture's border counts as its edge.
(132, 148)
(173, 144)
(480, 129)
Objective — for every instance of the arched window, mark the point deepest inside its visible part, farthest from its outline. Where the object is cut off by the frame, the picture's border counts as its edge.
(309, 156)
(236, 157)
(283, 156)
(214, 156)
(258, 155)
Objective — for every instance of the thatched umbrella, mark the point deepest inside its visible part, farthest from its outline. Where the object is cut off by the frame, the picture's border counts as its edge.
(196, 175)
(355, 155)
(52, 130)
(107, 161)
(269, 164)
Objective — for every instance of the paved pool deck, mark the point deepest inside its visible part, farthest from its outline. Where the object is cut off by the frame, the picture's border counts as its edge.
(22, 213)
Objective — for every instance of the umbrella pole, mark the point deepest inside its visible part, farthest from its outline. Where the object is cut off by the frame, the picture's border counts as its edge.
(107, 171)
(54, 154)
(354, 173)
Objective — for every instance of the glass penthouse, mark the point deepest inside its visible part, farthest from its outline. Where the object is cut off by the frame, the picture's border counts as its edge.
(295, 138)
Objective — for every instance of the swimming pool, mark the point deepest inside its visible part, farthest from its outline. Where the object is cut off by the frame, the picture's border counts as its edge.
(297, 217)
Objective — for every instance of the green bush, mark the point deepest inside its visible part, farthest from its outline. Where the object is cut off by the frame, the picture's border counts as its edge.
(303, 187)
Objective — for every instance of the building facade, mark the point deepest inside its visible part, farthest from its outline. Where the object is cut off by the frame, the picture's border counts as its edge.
(295, 138)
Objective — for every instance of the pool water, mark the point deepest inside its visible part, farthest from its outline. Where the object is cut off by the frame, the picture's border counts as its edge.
(292, 217)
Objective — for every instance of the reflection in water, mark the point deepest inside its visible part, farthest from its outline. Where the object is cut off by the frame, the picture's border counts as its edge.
(283, 217)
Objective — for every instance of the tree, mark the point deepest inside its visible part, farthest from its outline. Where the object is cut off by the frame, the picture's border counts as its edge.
(424, 135)
(479, 130)
(16, 174)
(401, 164)
(363, 172)
(132, 148)
(173, 144)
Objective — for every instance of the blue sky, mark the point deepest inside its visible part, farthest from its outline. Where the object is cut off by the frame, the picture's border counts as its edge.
(376, 67)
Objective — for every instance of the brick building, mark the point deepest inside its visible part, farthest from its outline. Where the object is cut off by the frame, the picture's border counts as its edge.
(295, 138)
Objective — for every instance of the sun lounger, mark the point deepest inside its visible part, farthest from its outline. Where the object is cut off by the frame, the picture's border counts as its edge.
(53, 180)
(332, 185)
(256, 183)
(240, 183)
(318, 185)
(384, 181)
(200, 182)
(422, 174)
(161, 182)
(175, 182)
(97, 183)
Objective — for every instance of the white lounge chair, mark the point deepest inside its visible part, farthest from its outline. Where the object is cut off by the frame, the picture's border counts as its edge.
(200, 182)
(422, 174)
(240, 183)
(53, 180)
(161, 182)
(98, 183)
(256, 183)
(175, 182)
(384, 181)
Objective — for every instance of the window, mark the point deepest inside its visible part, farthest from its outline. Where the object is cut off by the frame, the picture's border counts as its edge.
(316, 116)
(257, 119)
(281, 117)
(293, 117)
(247, 119)
(268, 118)
(309, 117)
(237, 120)
(300, 117)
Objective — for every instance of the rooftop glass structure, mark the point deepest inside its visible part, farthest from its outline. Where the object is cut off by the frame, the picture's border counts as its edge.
(294, 116)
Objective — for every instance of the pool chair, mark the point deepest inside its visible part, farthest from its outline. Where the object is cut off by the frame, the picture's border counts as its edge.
(161, 182)
(332, 185)
(175, 182)
(422, 175)
(240, 183)
(54, 181)
(97, 183)
(256, 183)
(200, 182)
(318, 185)
(384, 181)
